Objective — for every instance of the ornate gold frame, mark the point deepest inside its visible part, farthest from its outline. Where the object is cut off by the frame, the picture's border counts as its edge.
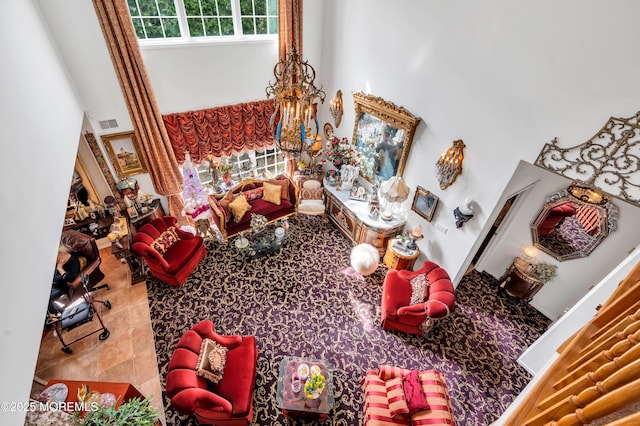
(391, 114)
(134, 162)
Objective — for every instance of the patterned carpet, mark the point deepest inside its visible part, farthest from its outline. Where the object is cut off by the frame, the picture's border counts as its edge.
(303, 301)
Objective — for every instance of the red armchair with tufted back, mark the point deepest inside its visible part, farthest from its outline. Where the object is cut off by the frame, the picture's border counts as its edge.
(230, 401)
(170, 253)
(411, 300)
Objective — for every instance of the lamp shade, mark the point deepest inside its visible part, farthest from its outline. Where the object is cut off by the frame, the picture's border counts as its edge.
(394, 190)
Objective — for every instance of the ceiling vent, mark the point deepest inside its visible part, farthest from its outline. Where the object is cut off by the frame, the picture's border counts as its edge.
(108, 124)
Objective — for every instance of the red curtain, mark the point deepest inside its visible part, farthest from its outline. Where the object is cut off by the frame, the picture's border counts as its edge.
(220, 131)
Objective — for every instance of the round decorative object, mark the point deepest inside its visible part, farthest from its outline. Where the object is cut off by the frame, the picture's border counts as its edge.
(242, 243)
(55, 393)
(303, 371)
(279, 232)
(108, 399)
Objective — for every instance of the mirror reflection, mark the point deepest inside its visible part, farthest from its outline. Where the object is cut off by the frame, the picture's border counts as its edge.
(573, 222)
(383, 132)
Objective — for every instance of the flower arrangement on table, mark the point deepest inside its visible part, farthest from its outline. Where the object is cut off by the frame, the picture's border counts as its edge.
(222, 167)
(544, 271)
(314, 386)
(341, 152)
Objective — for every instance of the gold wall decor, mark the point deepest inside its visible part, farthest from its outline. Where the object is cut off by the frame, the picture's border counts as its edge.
(336, 108)
(449, 165)
(383, 133)
(609, 160)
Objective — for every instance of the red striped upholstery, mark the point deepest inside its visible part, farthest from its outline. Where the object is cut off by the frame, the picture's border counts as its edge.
(376, 404)
(589, 218)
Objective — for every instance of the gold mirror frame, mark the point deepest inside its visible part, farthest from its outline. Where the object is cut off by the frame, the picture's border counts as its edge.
(387, 114)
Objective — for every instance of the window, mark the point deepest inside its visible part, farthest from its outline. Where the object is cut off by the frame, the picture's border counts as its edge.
(189, 19)
(262, 164)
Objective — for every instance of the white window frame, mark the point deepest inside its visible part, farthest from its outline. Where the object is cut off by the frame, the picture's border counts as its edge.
(275, 164)
(187, 39)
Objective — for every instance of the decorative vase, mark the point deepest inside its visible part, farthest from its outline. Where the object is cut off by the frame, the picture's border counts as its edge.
(227, 179)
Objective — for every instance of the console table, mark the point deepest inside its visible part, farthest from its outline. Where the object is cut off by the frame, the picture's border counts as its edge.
(352, 219)
(519, 281)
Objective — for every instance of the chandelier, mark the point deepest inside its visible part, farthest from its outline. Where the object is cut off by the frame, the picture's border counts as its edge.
(295, 96)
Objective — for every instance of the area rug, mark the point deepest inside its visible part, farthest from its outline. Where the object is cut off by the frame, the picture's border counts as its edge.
(306, 301)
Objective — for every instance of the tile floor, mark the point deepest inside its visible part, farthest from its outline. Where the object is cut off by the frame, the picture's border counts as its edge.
(127, 355)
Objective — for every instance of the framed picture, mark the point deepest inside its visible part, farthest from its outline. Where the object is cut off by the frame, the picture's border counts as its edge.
(424, 203)
(69, 221)
(124, 153)
(132, 212)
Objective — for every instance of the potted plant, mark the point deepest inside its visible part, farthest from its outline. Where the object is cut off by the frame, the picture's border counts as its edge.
(135, 412)
(544, 271)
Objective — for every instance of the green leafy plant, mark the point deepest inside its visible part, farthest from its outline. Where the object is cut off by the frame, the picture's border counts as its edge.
(135, 412)
(544, 271)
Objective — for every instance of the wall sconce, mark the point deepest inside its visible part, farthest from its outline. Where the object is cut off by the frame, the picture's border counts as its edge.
(463, 213)
(449, 165)
(336, 109)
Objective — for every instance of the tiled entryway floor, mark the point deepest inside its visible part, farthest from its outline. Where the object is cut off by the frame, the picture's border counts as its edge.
(127, 355)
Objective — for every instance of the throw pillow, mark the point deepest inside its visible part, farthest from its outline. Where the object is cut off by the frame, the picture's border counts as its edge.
(211, 360)
(416, 400)
(311, 194)
(284, 187)
(253, 194)
(395, 397)
(271, 193)
(224, 203)
(239, 207)
(419, 289)
(165, 240)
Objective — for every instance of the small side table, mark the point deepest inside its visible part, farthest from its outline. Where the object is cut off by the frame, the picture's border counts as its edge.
(400, 258)
(519, 281)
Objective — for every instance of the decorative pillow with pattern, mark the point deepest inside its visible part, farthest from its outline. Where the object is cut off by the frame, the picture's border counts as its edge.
(253, 194)
(395, 397)
(419, 285)
(239, 207)
(211, 360)
(311, 194)
(271, 193)
(165, 240)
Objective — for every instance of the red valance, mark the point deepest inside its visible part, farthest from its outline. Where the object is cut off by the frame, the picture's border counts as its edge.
(220, 131)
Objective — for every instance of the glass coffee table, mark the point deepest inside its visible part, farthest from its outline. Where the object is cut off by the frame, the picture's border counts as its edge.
(303, 402)
(267, 241)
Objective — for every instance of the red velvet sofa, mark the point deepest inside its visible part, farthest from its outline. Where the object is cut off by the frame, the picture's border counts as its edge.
(170, 253)
(554, 216)
(436, 299)
(224, 220)
(230, 401)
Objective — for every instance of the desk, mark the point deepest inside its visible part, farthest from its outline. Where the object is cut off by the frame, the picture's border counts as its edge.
(352, 219)
(519, 281)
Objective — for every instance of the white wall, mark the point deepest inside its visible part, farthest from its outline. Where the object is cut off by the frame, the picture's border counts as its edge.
(40, 119)
(574, 277)
(506, 77)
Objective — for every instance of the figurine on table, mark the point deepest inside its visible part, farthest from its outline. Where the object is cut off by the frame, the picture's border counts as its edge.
(132, 195)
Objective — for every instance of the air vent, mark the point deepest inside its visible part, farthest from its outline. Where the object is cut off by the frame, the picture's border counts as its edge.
(108, 124)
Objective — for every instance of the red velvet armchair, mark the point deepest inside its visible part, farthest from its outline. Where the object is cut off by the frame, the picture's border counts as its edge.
(230, 401)
(170, 253)
(412, 300)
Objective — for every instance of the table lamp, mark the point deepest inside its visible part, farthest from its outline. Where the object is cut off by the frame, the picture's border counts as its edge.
(393, 191)
(415, 235)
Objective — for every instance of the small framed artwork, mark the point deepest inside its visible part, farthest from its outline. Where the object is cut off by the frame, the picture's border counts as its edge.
(132, 212)
(124, 153)
(424, 203)
(358, 193)
(69, 221)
